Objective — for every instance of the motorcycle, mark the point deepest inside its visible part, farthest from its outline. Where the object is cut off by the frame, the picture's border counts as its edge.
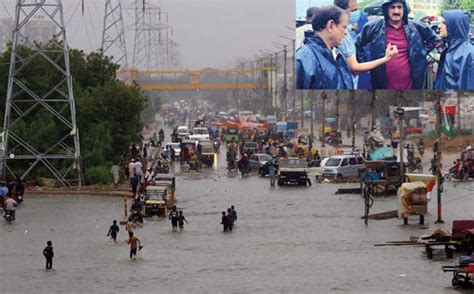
(415, 166)
(453, 174)
(162, 166)
(421, 150)
(186, 166)
(243, 167)
(232, 165)
(136, 216)
(217, 145)
(9, 215)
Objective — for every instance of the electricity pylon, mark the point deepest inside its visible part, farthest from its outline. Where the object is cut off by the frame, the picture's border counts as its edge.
(32, 99)
(113, 34)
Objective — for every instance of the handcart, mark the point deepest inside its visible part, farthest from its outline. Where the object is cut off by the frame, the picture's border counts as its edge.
(461, 274)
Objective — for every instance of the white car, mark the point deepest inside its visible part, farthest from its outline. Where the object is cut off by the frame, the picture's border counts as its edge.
(176, 147)
(199, 134)
(343, 166)
(182, 131)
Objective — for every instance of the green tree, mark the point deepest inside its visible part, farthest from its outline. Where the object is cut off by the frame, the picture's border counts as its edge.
(108, 112)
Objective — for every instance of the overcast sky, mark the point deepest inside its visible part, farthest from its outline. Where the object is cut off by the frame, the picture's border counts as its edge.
(210, 33)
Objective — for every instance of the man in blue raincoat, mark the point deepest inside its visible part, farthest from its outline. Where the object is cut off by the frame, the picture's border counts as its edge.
(414, 40)
(319, 64)
(456, 67)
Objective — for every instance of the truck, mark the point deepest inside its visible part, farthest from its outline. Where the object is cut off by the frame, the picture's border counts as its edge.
(292, 171)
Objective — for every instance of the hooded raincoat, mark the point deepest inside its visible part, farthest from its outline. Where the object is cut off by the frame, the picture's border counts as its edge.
(456, 68)
(316, 67)
(421, 40)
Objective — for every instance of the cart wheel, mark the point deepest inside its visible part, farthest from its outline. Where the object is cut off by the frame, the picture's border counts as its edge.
(454, 281)
(405, 221)
(422, 219)
(460, 280)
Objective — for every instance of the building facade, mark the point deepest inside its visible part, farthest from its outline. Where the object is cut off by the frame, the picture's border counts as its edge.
(37, 30)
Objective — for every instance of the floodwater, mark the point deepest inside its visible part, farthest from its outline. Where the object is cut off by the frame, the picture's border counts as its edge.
(286, 240)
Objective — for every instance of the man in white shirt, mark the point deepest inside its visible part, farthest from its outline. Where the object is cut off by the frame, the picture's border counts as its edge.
(300, 35)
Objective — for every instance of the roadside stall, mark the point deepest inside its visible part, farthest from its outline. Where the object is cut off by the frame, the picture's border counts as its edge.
(413, 196)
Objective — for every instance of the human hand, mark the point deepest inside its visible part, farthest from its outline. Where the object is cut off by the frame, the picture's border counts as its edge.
(391, 51)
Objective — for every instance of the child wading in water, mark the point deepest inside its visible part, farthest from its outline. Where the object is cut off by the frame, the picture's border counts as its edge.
(114, 229)
(181, 220)
(49, 254)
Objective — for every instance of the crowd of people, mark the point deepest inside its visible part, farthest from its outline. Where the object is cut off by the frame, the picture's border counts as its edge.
(397, 51)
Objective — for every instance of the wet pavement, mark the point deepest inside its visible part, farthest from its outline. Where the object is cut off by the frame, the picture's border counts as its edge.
(286, 240)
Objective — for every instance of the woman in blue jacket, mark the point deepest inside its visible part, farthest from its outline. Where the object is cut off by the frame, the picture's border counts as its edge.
(456, 68)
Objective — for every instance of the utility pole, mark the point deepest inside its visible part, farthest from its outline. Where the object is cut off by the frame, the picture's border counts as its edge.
(293, 88)
(60, 154)
(400, 112)
(438, 157)
(302, 108)
(459, 110)
(311, 101)
(337, 109)
(276, 84)
(323, 96)
(284, 91)
(372, 111)
(353, 123)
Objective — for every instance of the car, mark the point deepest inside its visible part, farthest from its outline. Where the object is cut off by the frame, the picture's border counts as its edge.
(292, 171)
(182, 131)
(176, 147)
(343, 166)
(257, 160)
(199, 134)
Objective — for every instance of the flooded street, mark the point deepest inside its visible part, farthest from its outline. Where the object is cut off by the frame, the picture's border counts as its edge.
(286, 240)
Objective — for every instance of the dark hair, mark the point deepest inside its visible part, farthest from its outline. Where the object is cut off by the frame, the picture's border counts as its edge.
(343, 4)
(49, 243)
(325, 14)
(310, 12)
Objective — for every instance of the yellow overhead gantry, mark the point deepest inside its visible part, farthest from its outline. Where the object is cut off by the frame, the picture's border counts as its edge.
(194, 78)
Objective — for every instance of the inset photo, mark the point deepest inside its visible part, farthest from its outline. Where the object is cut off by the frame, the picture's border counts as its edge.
(390, 44)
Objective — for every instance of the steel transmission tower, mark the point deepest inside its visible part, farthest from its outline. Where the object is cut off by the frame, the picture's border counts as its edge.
(32, 98)
(139, 47)
(113, 35)
(147, 29)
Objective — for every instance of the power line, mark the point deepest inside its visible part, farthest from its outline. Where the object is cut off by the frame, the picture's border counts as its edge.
(74, 12)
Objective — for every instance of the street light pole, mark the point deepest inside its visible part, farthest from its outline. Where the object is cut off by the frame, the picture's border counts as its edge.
(400, 111)
(438, 157)
(323, 96)
(353, 119)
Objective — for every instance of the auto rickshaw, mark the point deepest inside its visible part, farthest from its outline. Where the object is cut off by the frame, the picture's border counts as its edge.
(208, 153)
(155, 201)
(167, 181)
(231, 133)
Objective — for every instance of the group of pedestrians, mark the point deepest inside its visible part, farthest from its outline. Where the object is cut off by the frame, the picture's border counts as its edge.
(336, 50)
(177, 219)
(228, 219)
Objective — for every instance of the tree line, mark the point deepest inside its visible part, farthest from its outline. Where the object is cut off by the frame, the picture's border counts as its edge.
(108, 111)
